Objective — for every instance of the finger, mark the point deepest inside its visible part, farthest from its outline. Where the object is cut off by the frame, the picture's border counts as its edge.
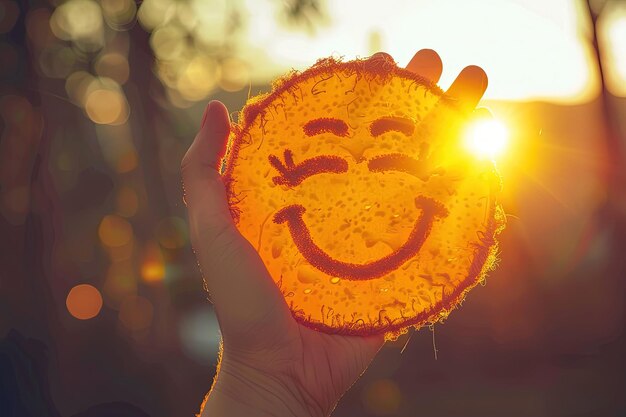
(482, 113)
(242, 291)
(209, 145)
(202, 185)
(426, 63)
(380, 62)
(469, 87)
(381, 56)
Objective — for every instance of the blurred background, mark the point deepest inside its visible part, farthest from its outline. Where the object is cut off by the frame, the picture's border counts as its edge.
(102, 307)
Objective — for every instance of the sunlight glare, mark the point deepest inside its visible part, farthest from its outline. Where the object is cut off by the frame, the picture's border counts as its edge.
(531, 49)
(486, 138)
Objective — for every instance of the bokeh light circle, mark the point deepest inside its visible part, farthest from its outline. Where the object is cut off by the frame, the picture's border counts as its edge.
(115, 231)
(84, 302)
(382, 397)
(106, 107)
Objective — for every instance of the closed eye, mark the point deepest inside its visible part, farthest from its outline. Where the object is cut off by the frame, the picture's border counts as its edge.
(386, 124)
(403, 163)
(292, 174)
(325, 124)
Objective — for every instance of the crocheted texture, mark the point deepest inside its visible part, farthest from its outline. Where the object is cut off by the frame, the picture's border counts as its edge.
(351, 181)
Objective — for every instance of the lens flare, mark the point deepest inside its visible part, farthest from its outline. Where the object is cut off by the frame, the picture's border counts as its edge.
(487, 138)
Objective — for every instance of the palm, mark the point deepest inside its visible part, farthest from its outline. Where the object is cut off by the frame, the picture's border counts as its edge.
(322, 366)
(332, 363)
(267, 345)
(264, 348)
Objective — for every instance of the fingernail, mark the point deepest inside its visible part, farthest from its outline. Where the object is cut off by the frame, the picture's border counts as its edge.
(206, 114)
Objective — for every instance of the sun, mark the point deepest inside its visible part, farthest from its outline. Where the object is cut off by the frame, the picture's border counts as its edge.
(486, 138)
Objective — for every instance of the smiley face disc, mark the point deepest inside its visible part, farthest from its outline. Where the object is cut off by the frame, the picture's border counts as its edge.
(351, 181)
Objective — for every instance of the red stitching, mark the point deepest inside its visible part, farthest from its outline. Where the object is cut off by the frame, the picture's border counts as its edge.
(398, 124)
(292, 215)
(325, 124)
(419, 168)
(293, 174)
(359, 68)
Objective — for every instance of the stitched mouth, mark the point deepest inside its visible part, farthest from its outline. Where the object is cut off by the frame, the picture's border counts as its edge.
(431, 210)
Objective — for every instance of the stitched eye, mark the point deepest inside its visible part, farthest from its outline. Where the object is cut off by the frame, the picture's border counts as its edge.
(292, 174)
(397, 124)
(420, 168)
(325, 124)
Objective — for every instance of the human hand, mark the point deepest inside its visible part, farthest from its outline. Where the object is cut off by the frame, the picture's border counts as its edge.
(270, 364)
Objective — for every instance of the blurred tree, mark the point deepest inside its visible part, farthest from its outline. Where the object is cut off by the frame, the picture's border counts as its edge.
(308, 14)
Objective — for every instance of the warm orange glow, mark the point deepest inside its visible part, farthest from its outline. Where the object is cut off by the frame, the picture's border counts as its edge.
(486, 138)
(531, 49)
(115, 231)
(152, 267)
(360, 199)
(152, 271)
(106, 106)
(84, 301)
(553, 60)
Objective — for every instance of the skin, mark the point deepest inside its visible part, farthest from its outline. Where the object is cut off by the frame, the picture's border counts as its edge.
(271, 365)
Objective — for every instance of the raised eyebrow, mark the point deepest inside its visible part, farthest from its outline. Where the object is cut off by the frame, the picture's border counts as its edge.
(399, 124)
(325, 124)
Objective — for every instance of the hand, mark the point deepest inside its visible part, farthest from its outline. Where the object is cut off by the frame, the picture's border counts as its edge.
(270, 364)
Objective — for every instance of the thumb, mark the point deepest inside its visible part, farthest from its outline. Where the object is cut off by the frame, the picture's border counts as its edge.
(241, 289)
(203, 189)
(201, 162)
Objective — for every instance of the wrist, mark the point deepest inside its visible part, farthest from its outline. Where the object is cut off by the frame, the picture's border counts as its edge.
(243, 390)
